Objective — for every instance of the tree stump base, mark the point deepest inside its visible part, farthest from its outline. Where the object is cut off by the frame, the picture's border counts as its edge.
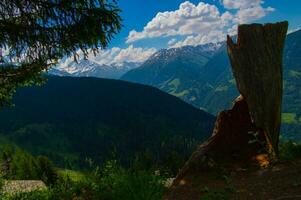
(235, 139)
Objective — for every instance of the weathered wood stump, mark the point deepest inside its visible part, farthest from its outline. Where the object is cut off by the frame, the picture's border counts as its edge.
(252, 126)
(256, 62)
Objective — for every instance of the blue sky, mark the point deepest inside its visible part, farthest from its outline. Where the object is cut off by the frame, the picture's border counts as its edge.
(137, 13)
(149, 25)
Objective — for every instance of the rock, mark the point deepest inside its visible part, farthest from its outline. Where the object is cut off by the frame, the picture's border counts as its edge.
(20, 186)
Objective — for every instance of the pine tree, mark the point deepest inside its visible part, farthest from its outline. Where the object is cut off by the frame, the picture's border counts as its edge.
(36, 34)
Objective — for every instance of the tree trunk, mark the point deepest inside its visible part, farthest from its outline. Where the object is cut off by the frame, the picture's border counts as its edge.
(256, 62)
(252, 126)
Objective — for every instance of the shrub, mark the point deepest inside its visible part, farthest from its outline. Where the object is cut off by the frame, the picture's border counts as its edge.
(46, 171)
(141, 185)
(289, 151)
(111, 182)
(118, 184)
(1, 184)
(35, 195)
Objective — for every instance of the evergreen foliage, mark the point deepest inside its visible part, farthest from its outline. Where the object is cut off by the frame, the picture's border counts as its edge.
(23, 166)
(37, 33)
(99, 119)
(110, 182)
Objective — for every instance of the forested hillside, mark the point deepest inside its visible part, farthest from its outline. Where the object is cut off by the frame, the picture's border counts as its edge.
(71, 119)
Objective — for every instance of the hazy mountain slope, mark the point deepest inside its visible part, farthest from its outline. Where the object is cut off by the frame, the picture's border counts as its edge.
(292, 86)
(70, 119)
(218, 74)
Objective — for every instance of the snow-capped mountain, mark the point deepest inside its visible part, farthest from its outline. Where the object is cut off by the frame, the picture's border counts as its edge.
(177, 71)
(93, 68)
(207, 50)
(90, 68)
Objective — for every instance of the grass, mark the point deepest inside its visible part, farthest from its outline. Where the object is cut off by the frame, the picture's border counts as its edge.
(193, 98)
(180, 94)
(73, 175)
(34, 195)
(289, 151)
(222, 88)
(232, 81)
(295, 74)
(289, 118)
(175, 83)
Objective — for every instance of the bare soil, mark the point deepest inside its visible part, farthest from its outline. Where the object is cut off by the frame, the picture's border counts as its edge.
(278, 182)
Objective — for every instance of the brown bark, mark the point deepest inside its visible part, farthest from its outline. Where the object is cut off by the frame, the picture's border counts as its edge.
(256, 62)
(257, 67)
(230, 141)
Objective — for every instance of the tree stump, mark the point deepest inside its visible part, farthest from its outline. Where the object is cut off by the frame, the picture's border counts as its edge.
(256, 62)
(252, 126)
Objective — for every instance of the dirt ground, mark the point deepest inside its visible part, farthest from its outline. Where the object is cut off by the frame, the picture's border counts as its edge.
(279, 182)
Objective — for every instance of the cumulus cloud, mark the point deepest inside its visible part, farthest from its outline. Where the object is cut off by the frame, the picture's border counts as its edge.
(187, 20)
(241, 4)
(248, 10)
(119, 55)
(172, 42)
(212, 37)
(115, 55)
(201, 23)
(195, 24)
(250, 14)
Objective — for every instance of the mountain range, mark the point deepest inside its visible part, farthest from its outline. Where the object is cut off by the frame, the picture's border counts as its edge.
(177, 71)
(206, 81)
(90, 68)
(193, 74)
(201, 76)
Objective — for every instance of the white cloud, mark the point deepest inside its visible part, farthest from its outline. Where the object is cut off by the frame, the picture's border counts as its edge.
(172, 42)
(118, 55)
(201, 23)
(232, 30)
(248, 10)
(241, 4)
(187, 20)
(250, 14)
(212, 37)
(115, 55)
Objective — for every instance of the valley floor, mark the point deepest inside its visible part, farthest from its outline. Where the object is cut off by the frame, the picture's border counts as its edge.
(280, 182)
